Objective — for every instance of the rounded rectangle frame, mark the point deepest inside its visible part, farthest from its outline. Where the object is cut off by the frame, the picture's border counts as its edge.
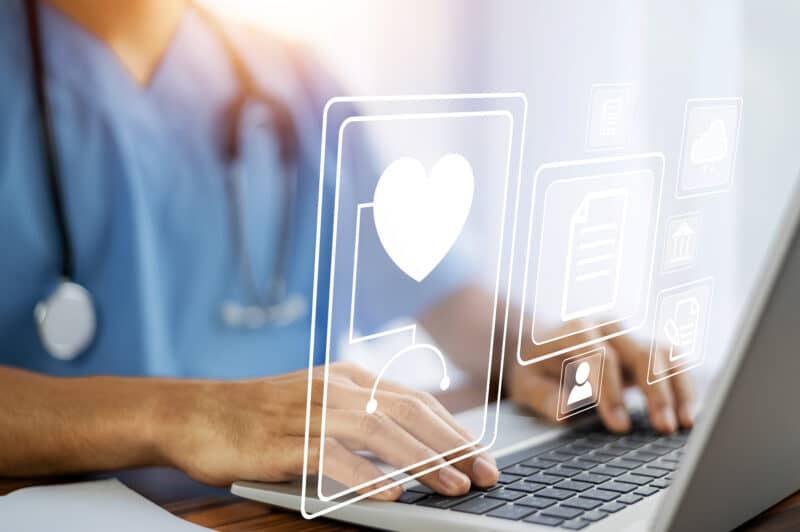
(601, 350)
(735, 101)
(653, 161)
(403, 106)
(652, 377)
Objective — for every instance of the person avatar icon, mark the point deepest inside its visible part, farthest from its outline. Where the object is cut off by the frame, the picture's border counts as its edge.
(582, 388)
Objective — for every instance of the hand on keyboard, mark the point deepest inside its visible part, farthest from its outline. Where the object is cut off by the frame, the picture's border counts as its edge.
(626, 363)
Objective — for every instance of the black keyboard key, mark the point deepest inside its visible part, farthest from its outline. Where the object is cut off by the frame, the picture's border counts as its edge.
(608, 470)
(506, 478)
(421, 489)
(505, 495)
(616, 450)
(644, 437)
(583, 504)
(557, 455)
(642, 456)
(664, 464)
(562, 512)
(544, 478)
(573, 485)
(630, 498)
(525, 486)
(562, 470)
(646, 491)
(533, 501)
(555, 493)
(600, 495)
(478, 505)
(520, 470)
(601, 438)
(629, 443)
(575, 449)
(660, 483)
(612, 507)
(598, 456)
(512, 512)
(543, 520)
(589, 444)
(657, 448)
(591, 476)
(580, 463)
(651, 472)
(619, 487)
(575, 524)
(634, 479)
(624, 463)
(410, 497)
(672, 443)
(595, 515)
(539, 462)
(444, 501)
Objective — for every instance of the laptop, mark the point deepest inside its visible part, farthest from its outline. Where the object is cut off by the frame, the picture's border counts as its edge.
(738, 460)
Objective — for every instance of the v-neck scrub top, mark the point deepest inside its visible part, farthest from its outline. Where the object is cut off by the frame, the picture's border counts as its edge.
(143, 182)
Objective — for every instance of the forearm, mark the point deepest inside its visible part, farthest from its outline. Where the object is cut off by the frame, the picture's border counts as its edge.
(66, 425)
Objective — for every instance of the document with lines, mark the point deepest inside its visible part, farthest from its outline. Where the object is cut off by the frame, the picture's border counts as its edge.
(594, 254)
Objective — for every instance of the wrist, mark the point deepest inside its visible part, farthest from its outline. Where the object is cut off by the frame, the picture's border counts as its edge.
(174, 411)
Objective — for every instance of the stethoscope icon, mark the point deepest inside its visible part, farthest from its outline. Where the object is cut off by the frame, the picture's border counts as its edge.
(444, 383)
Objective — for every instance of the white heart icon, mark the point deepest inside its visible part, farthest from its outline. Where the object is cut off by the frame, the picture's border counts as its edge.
(419, 216)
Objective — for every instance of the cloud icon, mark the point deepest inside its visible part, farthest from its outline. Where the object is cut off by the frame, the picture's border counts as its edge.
(711, 146)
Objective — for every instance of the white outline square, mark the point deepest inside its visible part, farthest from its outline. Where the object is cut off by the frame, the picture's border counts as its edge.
(520, 98)
(707, 191)
(630, 121)
(689, 265)
(658, 193)
(679, 368)
(592, 352)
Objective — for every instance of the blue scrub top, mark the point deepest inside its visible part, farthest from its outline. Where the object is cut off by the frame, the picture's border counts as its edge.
(143, 178)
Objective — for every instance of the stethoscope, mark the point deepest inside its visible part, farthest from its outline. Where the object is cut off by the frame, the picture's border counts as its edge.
(67, 319)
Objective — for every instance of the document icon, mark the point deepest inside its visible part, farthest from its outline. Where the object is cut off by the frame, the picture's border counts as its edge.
(681, 328)
(594, 254)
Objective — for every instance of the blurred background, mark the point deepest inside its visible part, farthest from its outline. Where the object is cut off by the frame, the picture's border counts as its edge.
(554, 51)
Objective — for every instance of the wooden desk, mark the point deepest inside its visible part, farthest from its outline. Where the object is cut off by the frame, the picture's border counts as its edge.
(216, 508)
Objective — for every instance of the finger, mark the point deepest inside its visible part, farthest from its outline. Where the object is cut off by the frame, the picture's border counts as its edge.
(349, 469)
(611, 406)
(683, 394)
(380, 434)
(417, 411)
(659, 395)
(416, 417)
(660, 400)
(367, 380)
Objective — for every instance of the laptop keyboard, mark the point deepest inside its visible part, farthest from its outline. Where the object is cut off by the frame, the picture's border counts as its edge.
(573, 481)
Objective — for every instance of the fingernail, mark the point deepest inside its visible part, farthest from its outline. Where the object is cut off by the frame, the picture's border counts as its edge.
(485, 472)
(685, 414)
(621, 419)
(670, 423)
(453, 480)
(387, 493)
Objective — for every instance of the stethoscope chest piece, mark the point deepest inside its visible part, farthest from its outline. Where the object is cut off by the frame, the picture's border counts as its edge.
(66, 321)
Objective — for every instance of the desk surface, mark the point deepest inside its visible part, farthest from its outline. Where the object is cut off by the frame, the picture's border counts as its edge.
(216, 508)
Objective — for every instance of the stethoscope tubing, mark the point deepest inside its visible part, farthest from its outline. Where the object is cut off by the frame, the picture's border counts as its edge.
(274, 301)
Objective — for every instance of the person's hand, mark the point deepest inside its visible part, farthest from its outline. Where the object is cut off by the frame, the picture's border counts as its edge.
(626, 363)
(226, 431)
